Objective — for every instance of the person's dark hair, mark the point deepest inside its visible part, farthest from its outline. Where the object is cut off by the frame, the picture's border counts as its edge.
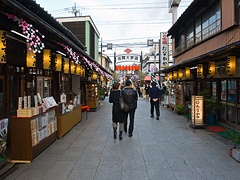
(154, 84)
(116, 85)
(128, 83)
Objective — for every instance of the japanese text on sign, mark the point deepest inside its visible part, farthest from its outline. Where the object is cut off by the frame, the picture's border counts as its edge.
(164, 49)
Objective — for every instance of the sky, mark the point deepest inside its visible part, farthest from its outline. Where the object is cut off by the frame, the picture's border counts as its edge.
(125, 24)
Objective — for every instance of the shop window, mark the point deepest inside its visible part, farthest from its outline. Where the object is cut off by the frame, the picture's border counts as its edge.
(214, 89)
(47, 88)
(13, 95)
(198, 30)
(224, 90)
(1, 97)
(189, 36)
(231, 113)
(232, 91)
(222, 114)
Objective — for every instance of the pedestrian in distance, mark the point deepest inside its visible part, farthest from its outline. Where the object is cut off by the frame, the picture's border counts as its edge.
(130, 97)
(147, 92)
(154, 94)
(143, 92)
(118, 116)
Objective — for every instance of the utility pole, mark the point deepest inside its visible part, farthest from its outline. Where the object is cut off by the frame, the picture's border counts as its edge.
(101, 51)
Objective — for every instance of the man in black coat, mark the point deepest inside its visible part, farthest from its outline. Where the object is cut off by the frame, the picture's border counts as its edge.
(130, 97)
(154, 94)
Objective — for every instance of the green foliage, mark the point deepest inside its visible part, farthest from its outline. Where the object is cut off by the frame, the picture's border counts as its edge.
(233, 136)
(179, 108)
(101, 91)
(166, 92)
(205, 92)
(212, 105)
(115, 76)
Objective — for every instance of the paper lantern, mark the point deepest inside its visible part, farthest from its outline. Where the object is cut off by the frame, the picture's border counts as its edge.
(139, 67)
(72, 68)
(101, 78)
(66, 65)
(31, 58)
(82, 71)
(166, 77)
(2, 47)
(94, 76)
(170, 76)
(231, 65)
(200, 71)
(211, 68)
(187, 72)
(46, 59)
(117, 68)
(131, 68)
(78, 69)
(180, 74)
(175, 75)
(58, 62)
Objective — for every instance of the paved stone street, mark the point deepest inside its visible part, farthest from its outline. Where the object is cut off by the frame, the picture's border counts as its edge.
(159, 150)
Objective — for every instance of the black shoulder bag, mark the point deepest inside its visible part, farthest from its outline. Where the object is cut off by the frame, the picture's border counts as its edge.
(122, 105)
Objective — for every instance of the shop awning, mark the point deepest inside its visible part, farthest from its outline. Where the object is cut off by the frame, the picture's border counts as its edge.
(148, 78)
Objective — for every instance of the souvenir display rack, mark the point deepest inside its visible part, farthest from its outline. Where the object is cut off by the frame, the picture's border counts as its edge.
(31, 135)
(92, 99)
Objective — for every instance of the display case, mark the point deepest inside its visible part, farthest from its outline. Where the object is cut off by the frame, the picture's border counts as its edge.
(176, 94)
(31, 135)
(92, 99)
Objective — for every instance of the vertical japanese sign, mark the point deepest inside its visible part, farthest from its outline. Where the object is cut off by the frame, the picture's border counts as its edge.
(200, 71)
(163, 50)
(197, 110)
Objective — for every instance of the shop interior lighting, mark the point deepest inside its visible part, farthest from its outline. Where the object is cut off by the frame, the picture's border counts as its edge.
(193, 67)
(15, 32)
(61, 53)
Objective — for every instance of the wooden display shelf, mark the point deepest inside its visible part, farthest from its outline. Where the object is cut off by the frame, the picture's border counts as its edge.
(22, 150)
(65, 122)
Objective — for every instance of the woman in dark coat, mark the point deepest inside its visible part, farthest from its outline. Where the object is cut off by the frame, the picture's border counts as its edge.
(117, 115)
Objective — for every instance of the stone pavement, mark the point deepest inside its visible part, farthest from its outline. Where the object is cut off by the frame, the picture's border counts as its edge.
(167, 149)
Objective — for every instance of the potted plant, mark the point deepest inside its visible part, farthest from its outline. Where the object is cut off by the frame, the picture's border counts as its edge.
(234, 136)
(101, 92)
(179, 108)
(212, 106)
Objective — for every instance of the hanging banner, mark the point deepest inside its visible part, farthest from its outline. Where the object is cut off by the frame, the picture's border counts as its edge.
(163, 50)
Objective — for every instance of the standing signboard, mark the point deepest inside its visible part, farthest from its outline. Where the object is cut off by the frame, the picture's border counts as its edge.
(197, 111)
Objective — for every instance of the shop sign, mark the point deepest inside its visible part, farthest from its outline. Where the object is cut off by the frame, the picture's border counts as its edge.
(31, 59)
(170, 76)
(72, 68)
(211, 68)
(82, 71)
(46, 59)
(200, 71)
(58, 62)
(187, 72)
(163, 50)
(197, 110)
(175, 75)
(221, 69)
(66, 65)
(180, 74)
(2, 47)
(128, 57)
(231, 65)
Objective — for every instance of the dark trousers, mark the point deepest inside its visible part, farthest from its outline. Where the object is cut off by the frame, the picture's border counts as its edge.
(156, 105)
(131, 124)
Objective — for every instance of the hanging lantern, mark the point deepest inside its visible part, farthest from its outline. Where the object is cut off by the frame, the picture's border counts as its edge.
(231, 65)
(175, 75)
(2, 47)
(31, 58)
(166, 77)
(187, 72)
(66, 65)
(116, 68)
(170, 76)
(94, 76)
(46, 59)
(72, 68)
(200, 71)
(180, 74)
(211, 68)
(82, 71)
(101, 78)
(58, 62)
(78, 69)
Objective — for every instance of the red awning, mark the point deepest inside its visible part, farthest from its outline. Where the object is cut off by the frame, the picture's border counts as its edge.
(148, 78)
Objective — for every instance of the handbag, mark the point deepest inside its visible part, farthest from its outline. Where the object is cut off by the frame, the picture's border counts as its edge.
(122, 105)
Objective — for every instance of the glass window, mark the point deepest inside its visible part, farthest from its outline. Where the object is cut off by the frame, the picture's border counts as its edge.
(189, 36)
(231, 113)
(214, 89)
(232, 91)
(13, 96)
(1, 97)
(198, 30)
(222, 114)
(224, 90)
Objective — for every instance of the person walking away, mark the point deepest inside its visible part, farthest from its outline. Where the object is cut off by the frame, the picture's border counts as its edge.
(118, 116)
(154, 94)
(143, 92)
(147, 92)
(130, 97)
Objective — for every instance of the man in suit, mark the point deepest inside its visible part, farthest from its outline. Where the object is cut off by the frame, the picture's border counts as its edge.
(154, 94)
